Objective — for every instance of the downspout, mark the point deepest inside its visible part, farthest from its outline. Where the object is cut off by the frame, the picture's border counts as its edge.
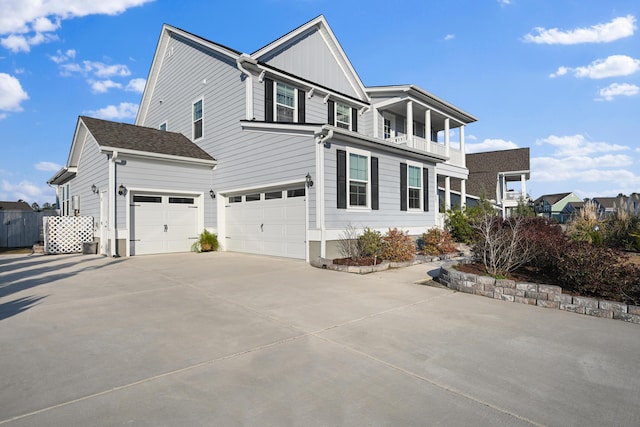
(321, 139)
(244, 58)
(112, 204)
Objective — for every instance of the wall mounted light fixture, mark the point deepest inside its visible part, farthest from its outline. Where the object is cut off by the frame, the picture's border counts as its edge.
(122, 190)
(212, 194)
(308, 180)
(94, 189)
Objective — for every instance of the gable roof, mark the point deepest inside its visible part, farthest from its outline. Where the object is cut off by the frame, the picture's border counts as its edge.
(484, 169)
(606, 202)
(139, 138)
(319, 25)
(130, 139)
(20, 205)
(552, 199)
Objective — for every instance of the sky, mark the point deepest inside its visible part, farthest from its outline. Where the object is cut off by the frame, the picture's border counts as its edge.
(559, 76)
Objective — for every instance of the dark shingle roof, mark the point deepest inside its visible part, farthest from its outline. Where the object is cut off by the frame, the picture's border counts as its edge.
(15, 206)
(607, 202)
(552, 199)
(139, 138)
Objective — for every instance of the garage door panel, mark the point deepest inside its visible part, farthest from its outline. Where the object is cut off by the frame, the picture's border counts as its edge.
(275, 226)
(159, 225)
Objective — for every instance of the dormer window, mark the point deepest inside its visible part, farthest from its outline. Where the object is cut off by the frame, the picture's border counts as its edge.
(283, 103)
(342, 116)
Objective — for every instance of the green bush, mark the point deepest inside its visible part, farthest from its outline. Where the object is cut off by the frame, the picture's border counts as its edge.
(436, 242)
(370, 243)
(460, 222)
(621, 230)
(398, 246)
(206, 242)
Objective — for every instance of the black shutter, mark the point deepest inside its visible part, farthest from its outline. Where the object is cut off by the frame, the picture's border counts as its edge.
(342, 178)
(331, 116)
(301, 106)
(403, 186)
(354, 120)
(425, 188)
(375, 205)
(268, 100)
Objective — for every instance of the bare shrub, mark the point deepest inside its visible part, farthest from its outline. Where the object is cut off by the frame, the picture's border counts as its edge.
(348, 244)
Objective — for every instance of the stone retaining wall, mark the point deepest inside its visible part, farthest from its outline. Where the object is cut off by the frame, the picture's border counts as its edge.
(384, 265)
(548, 296)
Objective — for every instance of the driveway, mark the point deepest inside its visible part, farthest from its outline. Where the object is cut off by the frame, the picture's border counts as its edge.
(228, 339)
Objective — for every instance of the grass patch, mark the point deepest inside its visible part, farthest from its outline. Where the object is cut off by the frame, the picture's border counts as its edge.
(15, 251)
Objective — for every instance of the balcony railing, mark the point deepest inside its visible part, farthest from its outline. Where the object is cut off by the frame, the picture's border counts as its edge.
(456, 157)
(513, 195)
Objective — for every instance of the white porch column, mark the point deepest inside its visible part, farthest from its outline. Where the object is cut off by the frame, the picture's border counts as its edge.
(409, 124)
(464, 160)
(523, 185)
(463, 194)
(447, 142)
(427, 125)
(447, 193)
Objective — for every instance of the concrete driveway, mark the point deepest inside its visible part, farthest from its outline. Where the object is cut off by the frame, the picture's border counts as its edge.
(227, 339)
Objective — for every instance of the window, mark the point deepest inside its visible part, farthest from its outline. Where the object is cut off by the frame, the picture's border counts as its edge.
(285, 103)
(273, 195)
(181, 200)
(147, 199)
(197, 119)
(415, 187)
(163, 126)
(358, 179)
(343, 116)
(252, 197)
(235, 199)
(387, 128)
(296, 192)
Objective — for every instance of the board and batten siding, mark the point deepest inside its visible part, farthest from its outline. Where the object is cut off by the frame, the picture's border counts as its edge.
(93, 169)
(389, 214)
(164, 176)
(311, 58)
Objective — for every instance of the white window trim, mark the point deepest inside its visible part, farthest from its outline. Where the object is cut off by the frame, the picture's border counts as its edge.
(420, 166)
(275, 101)
(367, 154)
(335, 115)
(193, 122)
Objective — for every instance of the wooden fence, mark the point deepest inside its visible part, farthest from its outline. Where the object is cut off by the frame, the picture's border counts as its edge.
(19, 229)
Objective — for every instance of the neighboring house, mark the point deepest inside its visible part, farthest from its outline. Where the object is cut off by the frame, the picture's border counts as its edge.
(630, 203)
(605, 205)
(302, 149)
(572, 210)
(552, 205)
(20, 205)
(498, 176)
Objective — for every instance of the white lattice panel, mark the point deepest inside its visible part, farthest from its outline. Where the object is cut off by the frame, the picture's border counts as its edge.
(66, 234)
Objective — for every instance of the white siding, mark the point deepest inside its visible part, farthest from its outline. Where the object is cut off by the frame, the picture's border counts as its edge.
(309, 57)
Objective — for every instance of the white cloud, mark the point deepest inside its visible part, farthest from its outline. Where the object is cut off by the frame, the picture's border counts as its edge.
(124, 111)
(47, 166)
(618, 89)
(27, 191)
(103, 86)
(11, 93)
(618, 28)
(136, 85)
(449, 37)
(504, 2)
(98, 69)
(30, 22)
(577, 145)
(490, 145)
(612, 66)
(61, 57)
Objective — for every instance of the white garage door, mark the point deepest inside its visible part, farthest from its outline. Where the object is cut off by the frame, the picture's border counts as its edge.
(267, 223)
(163, 223)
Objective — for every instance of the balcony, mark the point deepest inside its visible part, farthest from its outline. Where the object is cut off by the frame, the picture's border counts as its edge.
(456, 157)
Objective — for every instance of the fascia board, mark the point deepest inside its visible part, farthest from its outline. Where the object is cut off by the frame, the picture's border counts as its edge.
(158, 156)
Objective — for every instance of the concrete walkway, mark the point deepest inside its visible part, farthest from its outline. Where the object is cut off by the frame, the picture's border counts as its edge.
(227, 339)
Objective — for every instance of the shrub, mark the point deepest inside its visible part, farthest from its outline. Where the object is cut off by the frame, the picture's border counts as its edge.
(370, 243)
(598, 272)
(460, 222)
(547, 241)
(348, 243)
(206, 242)
(586, 226)
(398, 246)
(502, 245)
(620, 230)
(436, 242)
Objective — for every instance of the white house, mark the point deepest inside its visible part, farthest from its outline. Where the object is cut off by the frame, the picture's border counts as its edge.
(277, 151)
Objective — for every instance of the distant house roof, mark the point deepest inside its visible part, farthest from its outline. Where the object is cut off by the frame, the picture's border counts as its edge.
(552, 199)
(15, 206)
(139, 138)
(606, 202)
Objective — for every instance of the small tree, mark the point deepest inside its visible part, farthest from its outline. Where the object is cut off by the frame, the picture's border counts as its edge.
(524, 208)
(501, 245)
(348, 245)
(371, 243)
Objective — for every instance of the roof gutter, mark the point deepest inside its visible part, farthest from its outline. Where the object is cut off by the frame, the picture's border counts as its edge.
(145, 154)
(240, 63)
